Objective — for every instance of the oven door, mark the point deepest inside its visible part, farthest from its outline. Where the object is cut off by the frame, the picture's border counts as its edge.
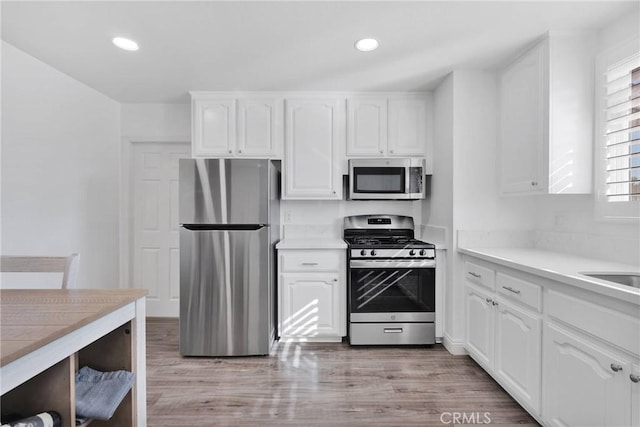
(392, 291)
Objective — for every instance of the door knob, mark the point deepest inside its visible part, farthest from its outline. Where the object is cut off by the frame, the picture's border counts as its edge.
(616, 368)
(634, 378)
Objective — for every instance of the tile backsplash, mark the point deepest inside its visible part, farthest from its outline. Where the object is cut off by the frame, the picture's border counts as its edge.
(611, 248)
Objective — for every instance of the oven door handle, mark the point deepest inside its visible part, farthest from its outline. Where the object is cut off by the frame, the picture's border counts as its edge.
(429, 263)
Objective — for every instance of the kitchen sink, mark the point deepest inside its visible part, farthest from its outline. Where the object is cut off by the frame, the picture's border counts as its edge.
(627, 279)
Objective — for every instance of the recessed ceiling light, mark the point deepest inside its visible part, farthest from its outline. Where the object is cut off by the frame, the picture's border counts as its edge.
(366, 45)
(125, 44)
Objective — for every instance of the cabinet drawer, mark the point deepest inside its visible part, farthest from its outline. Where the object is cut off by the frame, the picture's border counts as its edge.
(391, 333)
(603, 322)
(310, 260)
(480, 275)
(520, 290)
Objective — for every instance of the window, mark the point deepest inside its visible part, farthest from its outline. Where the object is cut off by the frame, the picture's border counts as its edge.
(622, 131)
(617, 148)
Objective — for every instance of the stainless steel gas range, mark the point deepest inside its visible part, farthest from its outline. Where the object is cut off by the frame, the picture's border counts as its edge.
(391, 282)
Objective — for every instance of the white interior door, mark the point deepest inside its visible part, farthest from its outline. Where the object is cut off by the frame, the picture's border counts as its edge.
(155, 255)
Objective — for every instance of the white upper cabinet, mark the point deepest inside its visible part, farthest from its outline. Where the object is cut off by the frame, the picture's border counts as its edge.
(366, 126)
(521, 115)
(213, 127)
(314, 131)
(383, 126)
(225, 126)
(546, 117)
(407, 127)
(259, 127)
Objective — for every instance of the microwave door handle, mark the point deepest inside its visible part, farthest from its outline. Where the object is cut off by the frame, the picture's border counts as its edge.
(407, 180)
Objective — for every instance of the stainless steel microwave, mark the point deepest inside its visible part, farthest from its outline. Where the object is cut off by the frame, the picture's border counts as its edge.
(386, 179)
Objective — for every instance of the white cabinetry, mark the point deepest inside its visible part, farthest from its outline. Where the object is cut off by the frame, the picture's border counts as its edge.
(503, 333)
(595, 357)
(546, 117)
(480, 326)
(407, 127)
(569, 356)
(585, 384)
(312, 137)
(312, 294)
(226, 126)
(366, 126)
(388, 126)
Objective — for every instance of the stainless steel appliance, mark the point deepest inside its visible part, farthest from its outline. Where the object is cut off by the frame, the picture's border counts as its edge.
(376, 179)
(391, 286)
(229, 211)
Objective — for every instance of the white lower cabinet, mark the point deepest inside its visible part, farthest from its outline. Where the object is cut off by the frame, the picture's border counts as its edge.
(312, 294)
(570, 357)
(506, 341)
(585, 383)
(480, 326)
(308, 305)
(518, 351)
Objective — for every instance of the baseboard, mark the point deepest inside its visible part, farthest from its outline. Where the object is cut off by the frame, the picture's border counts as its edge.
(454, 347)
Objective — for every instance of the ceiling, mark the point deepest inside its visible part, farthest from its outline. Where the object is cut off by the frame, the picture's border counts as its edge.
(289, 45)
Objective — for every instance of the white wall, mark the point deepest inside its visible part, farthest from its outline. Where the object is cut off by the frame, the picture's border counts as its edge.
(156, 122)
(60, 160)
(308, 218)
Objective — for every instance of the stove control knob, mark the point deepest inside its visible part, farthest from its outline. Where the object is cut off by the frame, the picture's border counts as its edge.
(363, 252)
(412, 252)
(373, 251)
(423, 252)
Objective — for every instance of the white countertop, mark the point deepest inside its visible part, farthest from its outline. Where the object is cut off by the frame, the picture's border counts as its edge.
(319, 243)
(562, 267)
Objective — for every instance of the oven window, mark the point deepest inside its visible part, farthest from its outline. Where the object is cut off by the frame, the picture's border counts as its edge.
(392, 290)
(378, 180)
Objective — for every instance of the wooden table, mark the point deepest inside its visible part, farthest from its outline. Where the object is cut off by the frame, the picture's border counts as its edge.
(46, 335)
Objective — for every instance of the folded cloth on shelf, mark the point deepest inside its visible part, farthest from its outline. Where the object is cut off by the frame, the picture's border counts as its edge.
(98, 394)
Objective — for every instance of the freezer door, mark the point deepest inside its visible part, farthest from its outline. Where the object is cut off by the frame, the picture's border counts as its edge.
(226, 304)
(224, 191)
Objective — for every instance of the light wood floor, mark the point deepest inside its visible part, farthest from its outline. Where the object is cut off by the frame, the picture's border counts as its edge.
(318, 384)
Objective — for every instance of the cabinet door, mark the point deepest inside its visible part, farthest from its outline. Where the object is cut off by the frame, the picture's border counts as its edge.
(581, 386)
(635, 394)
(312, 133)
(518, 352)
(366, 126)
(407, 127)
(214, 127)
(259, 127)
(522, 123)
(480, 324)
(310, 305)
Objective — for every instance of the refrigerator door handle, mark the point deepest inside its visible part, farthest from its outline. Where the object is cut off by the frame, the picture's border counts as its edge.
(224, 227)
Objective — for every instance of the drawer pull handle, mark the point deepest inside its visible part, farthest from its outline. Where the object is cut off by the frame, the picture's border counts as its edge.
(309, 263)
(494, 303)
(634, 378)
(510, 289)
(392, 330)
(616, 368)
(488, 300)
(476, 275)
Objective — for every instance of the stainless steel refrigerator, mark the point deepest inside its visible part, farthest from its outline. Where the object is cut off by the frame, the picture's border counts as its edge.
(229, 217)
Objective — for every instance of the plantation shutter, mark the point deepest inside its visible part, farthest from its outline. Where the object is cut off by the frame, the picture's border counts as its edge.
(622, 134)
